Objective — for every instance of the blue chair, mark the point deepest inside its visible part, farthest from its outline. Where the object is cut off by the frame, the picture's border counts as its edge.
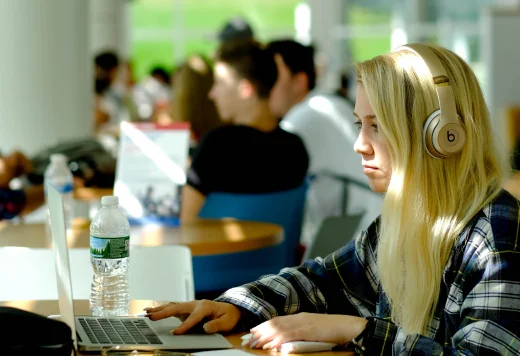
(218, 272)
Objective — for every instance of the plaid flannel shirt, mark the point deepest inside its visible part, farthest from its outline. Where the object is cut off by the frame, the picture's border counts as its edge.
(478, 312)
(12, 203)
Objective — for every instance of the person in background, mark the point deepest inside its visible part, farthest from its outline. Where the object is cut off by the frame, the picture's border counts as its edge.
(14, 202)
(437, 272)
(253, 154)
(344, 90)
(106, 102)
(190, 102)
(152, 95)
(236, 29)
(105, 71)
(161, 75)
(324, 122)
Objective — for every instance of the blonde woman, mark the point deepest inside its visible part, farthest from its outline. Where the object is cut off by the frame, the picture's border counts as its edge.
(438, 272)
(191, 85)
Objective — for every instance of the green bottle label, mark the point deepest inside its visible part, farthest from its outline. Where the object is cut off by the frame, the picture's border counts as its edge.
(109, 247)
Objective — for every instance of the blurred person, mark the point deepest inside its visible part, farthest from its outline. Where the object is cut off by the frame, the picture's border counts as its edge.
(105, 102)
(324, 122)
(161, 75)
(14, 202)
(345, 88)
(190, 101)
(112, 100)
(237, 29)
(253, 155)
(105, 71)
(152, 94)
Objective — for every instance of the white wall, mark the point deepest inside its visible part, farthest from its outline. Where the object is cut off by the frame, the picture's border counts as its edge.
(45, 73)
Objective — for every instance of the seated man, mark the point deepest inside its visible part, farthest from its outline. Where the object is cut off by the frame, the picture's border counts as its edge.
(15, 202)
(326, 125)
(253, 155)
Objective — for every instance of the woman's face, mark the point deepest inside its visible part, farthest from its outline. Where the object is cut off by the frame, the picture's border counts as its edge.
(371, 145)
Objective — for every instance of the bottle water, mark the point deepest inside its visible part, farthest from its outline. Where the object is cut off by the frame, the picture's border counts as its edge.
(58, 174)
(109, 256)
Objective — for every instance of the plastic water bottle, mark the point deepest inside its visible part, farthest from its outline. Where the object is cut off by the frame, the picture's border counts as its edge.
(109, 256)
(58, 174)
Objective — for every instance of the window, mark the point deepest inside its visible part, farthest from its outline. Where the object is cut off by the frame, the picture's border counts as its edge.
(164, 32)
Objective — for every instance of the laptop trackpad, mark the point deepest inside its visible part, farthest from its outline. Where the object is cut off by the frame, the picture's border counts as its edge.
(164, 329)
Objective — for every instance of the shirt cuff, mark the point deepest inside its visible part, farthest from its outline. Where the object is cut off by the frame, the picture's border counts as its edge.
(248, 318)
(382, 337)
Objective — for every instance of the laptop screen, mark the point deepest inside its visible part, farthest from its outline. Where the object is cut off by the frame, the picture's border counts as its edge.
(61, 257)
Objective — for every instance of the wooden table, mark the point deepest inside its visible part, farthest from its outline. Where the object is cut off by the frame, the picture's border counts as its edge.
(203, 237)
(49, 307)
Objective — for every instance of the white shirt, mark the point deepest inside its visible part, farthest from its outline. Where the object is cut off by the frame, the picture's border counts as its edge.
(325, 123)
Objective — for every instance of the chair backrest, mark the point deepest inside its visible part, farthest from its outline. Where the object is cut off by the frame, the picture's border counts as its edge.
(161, 273)
(217, 273)
(334, 233)
(283, 208)
(356, 207)
(156, 273)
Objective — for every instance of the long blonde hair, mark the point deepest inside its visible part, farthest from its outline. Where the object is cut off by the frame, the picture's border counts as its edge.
(429, 201)
(190, 103)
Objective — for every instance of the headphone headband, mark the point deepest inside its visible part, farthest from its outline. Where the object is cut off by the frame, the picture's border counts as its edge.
(432, 61)
(440, 80)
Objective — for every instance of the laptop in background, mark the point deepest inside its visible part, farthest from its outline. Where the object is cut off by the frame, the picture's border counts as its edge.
(97, 333)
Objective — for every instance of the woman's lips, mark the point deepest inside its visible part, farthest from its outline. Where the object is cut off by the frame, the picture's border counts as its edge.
(369, 169)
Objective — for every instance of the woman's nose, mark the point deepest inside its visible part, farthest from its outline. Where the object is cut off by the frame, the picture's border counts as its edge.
(362, 144)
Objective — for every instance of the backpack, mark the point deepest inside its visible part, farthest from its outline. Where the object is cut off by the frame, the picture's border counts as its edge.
(26, 333)
(87, 159)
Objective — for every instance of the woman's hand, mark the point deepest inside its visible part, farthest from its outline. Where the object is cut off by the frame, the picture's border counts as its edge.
(338, 329)
(222, 316)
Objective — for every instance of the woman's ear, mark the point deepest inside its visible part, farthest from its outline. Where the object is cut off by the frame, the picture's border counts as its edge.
(246, 89)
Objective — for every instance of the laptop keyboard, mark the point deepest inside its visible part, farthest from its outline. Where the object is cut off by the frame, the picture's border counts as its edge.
(126, 331)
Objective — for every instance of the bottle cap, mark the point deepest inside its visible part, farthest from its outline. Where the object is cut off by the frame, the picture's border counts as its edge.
(58, 158)
(109, 200)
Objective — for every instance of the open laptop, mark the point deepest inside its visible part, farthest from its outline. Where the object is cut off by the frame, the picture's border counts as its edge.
(97, 333)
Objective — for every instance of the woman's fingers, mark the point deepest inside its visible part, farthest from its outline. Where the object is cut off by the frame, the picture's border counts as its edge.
(160, 307)
(170, 310)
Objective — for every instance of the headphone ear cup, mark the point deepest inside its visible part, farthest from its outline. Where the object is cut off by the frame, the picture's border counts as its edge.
(429, 134)
(442, 141)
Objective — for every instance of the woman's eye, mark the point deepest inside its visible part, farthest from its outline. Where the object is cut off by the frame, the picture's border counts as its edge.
(358, 125)
(375, 127)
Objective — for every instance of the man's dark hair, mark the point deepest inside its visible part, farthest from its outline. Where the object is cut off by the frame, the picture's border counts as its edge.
(236, 29)
(106, 61)
(252, 62)
(297, 57)
(161, 73)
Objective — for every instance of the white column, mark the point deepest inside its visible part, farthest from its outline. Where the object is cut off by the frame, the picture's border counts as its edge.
(45, 73)
(326, 17)
(500, 56)
(109, 26)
